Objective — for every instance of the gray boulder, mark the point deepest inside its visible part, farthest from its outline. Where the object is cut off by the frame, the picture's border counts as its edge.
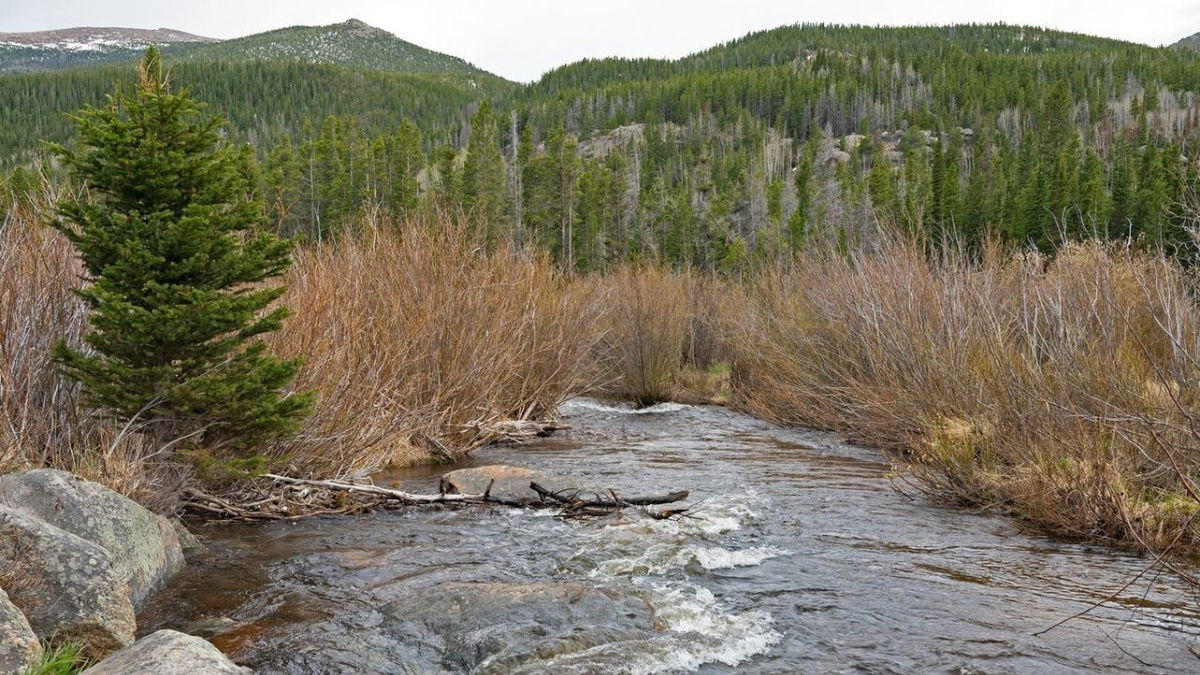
(505, 627)
(168, 652)
(65, 586)
(145, 547)
(507, 482)
(19, 647)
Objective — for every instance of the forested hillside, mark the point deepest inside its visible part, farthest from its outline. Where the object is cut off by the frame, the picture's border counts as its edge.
(746, 151)
(352, 43)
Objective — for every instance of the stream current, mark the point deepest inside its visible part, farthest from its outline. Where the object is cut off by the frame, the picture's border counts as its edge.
(799, 555)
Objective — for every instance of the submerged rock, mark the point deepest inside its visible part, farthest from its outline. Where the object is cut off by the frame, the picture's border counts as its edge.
(67, 587)
(500, 627)
(168, 652)
(145, 547)
(507, 482)
(19, 647)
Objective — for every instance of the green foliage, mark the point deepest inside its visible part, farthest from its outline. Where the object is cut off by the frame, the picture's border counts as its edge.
(801, 136)
(483, 193)
(62, 659)
(177, 257)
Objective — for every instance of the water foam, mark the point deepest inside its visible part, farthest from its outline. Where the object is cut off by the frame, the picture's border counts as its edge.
(711, 632)
(717, 558)
(588, 404)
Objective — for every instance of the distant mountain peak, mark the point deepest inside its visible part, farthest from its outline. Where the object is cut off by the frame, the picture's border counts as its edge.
(84, 45)
(362, 28)
(96, 37)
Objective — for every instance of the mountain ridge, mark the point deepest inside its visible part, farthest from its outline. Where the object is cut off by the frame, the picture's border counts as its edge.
(352, 43)
(349, 43)
(83, 46)
(87, 34)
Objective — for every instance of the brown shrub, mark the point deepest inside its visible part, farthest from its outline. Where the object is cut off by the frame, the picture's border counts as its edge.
(417, 340)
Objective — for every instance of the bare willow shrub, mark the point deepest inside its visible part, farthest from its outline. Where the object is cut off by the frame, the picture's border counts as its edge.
(419, 341)
(646, 328)
(1061, 390)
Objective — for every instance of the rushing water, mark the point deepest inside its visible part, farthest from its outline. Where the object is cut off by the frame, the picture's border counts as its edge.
(800, 556)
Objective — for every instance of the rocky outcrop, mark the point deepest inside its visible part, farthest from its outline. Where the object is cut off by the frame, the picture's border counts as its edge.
(507, 482)
(496, 627)
(145, 547)
(168, 652)
(19, 647)
(66, 586)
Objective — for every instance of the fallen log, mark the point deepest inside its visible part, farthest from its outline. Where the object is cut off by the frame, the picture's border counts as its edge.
(299, 497)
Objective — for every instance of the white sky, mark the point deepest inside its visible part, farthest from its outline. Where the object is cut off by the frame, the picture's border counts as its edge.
(520, 39)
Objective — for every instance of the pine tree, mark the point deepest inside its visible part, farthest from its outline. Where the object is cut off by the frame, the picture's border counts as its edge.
(483, 192)
(176, 253)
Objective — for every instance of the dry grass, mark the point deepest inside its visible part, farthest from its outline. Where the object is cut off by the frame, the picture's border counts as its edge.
(1063, 390)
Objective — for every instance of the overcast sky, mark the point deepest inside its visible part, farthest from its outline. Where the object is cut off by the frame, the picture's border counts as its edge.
(520, 39)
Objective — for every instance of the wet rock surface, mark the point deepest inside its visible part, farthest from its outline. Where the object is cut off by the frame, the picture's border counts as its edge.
(145, 547)
(19, 647)
(497, 627)
(505, 482)
(168, 652)
(66, 586)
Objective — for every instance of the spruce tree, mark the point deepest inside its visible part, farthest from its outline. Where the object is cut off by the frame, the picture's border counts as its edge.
(483, 173)
(176, 254)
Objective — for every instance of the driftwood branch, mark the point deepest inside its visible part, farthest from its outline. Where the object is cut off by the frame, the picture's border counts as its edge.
(298, 497)
(399, 495)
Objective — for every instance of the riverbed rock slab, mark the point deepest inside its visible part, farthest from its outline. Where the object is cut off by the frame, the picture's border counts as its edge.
(168, 652)
(66, 586)
(497, 627)
(145, 547)
(507, 482)
(19, 646)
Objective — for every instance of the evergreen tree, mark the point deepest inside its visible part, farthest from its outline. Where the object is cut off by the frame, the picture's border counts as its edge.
(483, 190)
(176, 253)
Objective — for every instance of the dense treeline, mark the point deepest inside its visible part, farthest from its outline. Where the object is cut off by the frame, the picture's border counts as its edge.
(749, 151)
(265, 101)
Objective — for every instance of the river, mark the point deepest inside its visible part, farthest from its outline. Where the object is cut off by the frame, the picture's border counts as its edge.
(800, 555)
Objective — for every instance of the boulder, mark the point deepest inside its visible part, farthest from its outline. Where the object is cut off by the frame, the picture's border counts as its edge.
(19, 647)
(168, 652)
(510, 482)
(67, 587)
(491, 627)
(145, 547)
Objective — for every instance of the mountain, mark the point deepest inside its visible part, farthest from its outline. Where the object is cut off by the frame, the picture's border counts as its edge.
(271, 85)
(1190, 42)
(351, 43)
(83, 46)
(799, 135)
